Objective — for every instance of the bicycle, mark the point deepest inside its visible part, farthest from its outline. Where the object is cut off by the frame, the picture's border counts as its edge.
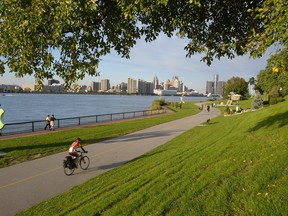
(71, 164)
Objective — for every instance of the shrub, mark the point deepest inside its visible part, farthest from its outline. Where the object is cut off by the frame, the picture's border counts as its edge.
(273, 95)
(157, 104)
(257, 102)
(272, 100)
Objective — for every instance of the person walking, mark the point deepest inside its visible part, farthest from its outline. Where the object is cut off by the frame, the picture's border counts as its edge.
(208, 108)
(52, 119)
(47, 122)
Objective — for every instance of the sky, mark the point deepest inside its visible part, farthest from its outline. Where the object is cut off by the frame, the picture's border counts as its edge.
(164, 58)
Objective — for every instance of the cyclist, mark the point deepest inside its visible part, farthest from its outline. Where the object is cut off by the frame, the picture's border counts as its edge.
(73, 148)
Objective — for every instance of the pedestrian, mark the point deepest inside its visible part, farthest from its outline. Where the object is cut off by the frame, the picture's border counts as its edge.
(208, 108)
(47, 122)
(52, 119)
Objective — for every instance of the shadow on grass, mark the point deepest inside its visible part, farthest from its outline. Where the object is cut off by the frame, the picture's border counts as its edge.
(40, 146)
(142, 136)
(111, 166)
(280, 119)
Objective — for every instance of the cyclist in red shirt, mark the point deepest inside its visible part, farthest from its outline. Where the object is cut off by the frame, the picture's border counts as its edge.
(74, 146)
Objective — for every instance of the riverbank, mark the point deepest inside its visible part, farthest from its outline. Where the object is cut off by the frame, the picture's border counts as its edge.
(67, 128)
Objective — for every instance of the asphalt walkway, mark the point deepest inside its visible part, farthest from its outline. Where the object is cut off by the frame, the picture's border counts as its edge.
(24, 185)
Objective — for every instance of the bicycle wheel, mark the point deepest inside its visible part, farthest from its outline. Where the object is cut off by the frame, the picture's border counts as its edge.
(69, 170)
(84, 162)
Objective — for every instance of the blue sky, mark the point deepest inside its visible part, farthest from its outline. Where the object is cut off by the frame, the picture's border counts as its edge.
(164, 58)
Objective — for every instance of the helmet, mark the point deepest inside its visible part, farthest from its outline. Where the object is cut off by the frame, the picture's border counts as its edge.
(78, 139)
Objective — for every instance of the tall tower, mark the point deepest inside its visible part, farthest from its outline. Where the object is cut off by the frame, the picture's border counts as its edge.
(105, 85)
(131, 86)
(216, 78)
(155, 82)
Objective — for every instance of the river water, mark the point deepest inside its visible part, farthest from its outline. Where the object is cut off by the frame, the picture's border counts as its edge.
(34, 107)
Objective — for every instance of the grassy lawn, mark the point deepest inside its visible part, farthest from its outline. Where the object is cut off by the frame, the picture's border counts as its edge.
(29, 148)
(237, 165)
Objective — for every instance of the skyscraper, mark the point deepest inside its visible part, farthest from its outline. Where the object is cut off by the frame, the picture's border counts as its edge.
(95, 86)
(131, 86)
(105, 85)
(215, 87)
(155, 82)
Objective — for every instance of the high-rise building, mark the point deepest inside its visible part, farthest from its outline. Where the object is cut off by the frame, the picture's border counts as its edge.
(209, 87)
(123, 87)
(141, 87)
(149, 88)
(105, 85)
(145, 87)
(131, 86)
(155, 82)
(95, 86)
(215, 87)
(219, 88)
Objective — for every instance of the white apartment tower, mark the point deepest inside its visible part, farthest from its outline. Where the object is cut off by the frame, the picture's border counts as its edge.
(131, 86)
(105, 85)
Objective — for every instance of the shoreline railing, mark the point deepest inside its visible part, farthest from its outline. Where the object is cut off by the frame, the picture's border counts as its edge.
(33, 126)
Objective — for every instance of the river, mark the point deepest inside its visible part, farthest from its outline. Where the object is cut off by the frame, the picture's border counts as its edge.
(33, 107)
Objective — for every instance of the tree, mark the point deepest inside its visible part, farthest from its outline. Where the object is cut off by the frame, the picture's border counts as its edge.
(237, 85)
(257, 102)
(82, 32)
(252, 81)
(275, 74)
(272, 17)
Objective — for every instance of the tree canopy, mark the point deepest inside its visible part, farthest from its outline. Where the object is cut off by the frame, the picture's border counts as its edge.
(236, 85)
(68, 38)
(275, 75)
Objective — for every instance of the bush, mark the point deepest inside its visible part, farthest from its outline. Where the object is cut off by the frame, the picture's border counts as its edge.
(273, 95)
(157, 104)
(272, 100)
(257, 102)
(162, 101)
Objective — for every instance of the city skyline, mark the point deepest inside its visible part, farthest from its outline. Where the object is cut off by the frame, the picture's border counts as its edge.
(164, 57)
(104, 84)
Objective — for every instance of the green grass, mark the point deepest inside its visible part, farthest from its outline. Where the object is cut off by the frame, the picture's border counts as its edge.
(28, 148)
(236, 165)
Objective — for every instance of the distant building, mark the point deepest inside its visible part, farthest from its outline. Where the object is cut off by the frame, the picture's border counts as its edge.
(95, 86)
(10, 88)
(105, 85)
(141, 87)
(121, 88)
(215, 87)
(29, 88)
(209, 87)
(165, 92)
(167, 85)
(145, 88)
(149, 88)
(220, 88)
(155, 83)
(131, 86)
(53, 88)
(53, 81)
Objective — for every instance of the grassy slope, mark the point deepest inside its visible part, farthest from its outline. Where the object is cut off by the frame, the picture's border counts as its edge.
(237, 165)
(28, 148)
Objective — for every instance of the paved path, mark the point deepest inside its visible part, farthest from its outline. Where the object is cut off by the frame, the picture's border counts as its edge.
(26, 184)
